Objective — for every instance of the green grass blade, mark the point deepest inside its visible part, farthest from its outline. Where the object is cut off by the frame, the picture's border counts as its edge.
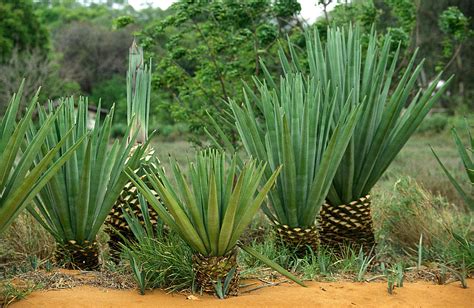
(272, 264)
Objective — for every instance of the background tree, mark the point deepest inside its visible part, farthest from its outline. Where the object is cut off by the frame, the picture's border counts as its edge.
(39, 70)
(23, 42)
(210, 47)
(456, 29)
(91, 53)
(20, 28)
(441, 30)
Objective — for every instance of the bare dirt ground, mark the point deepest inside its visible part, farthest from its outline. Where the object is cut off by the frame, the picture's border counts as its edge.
(317, 294)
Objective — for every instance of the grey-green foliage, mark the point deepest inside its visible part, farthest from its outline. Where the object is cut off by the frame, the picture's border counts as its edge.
(212, 211)
(20, 179)
(76, 201)
(392, 104)
(301, 128)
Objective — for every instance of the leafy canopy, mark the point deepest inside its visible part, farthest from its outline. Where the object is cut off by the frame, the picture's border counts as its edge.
(210, 47)
(20, 28)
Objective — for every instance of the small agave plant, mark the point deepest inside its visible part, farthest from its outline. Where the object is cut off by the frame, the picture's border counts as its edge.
(138, 108)
(74, 204)
(21, 177)
(211, 212)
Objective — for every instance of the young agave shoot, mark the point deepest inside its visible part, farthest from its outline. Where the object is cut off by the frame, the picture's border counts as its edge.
(138, 106)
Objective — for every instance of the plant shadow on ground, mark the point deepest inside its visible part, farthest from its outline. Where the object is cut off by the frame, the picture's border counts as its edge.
(414, 198)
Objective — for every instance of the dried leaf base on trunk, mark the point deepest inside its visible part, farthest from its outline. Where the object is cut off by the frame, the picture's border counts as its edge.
(116, 222)
(208, 270)
(298, 239)
(347, 224)
(129, 201)
(74, 255)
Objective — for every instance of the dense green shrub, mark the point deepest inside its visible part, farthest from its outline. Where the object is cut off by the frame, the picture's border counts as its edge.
(113, 91)
(20, 28)
(435, 123)
(118, 129)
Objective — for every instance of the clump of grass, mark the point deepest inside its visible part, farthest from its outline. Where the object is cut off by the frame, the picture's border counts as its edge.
(410, 211)
(318, 264)
(23, 241)
(407, 204)
(348, 261)
(159, 257)
(10, 292)
(137, 270)
(271, 248)
(165, 262)
(363, 263)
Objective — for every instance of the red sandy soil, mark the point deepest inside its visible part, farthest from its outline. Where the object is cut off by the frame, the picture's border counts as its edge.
(317, 294)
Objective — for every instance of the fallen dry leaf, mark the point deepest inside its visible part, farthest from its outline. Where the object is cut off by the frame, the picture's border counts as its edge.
(192, 297)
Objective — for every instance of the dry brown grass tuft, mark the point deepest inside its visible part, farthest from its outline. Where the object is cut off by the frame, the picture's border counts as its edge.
(25, 237)
(409, 210)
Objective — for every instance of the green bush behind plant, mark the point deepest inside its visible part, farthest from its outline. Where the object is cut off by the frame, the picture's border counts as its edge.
(435, 123)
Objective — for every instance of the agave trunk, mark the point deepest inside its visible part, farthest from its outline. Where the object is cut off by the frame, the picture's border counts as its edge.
(347, 224)
(74, 255)
(128, 201)
(298, 239)
(209, 269)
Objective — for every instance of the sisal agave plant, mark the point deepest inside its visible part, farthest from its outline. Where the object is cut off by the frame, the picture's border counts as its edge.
(75, 202)
(138, 107)
(301, 130)
(20, 180)
(211, 212)
(466, 153)
(392, 108)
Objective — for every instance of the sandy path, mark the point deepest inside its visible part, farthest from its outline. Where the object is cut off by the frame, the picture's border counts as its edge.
(337, 294)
